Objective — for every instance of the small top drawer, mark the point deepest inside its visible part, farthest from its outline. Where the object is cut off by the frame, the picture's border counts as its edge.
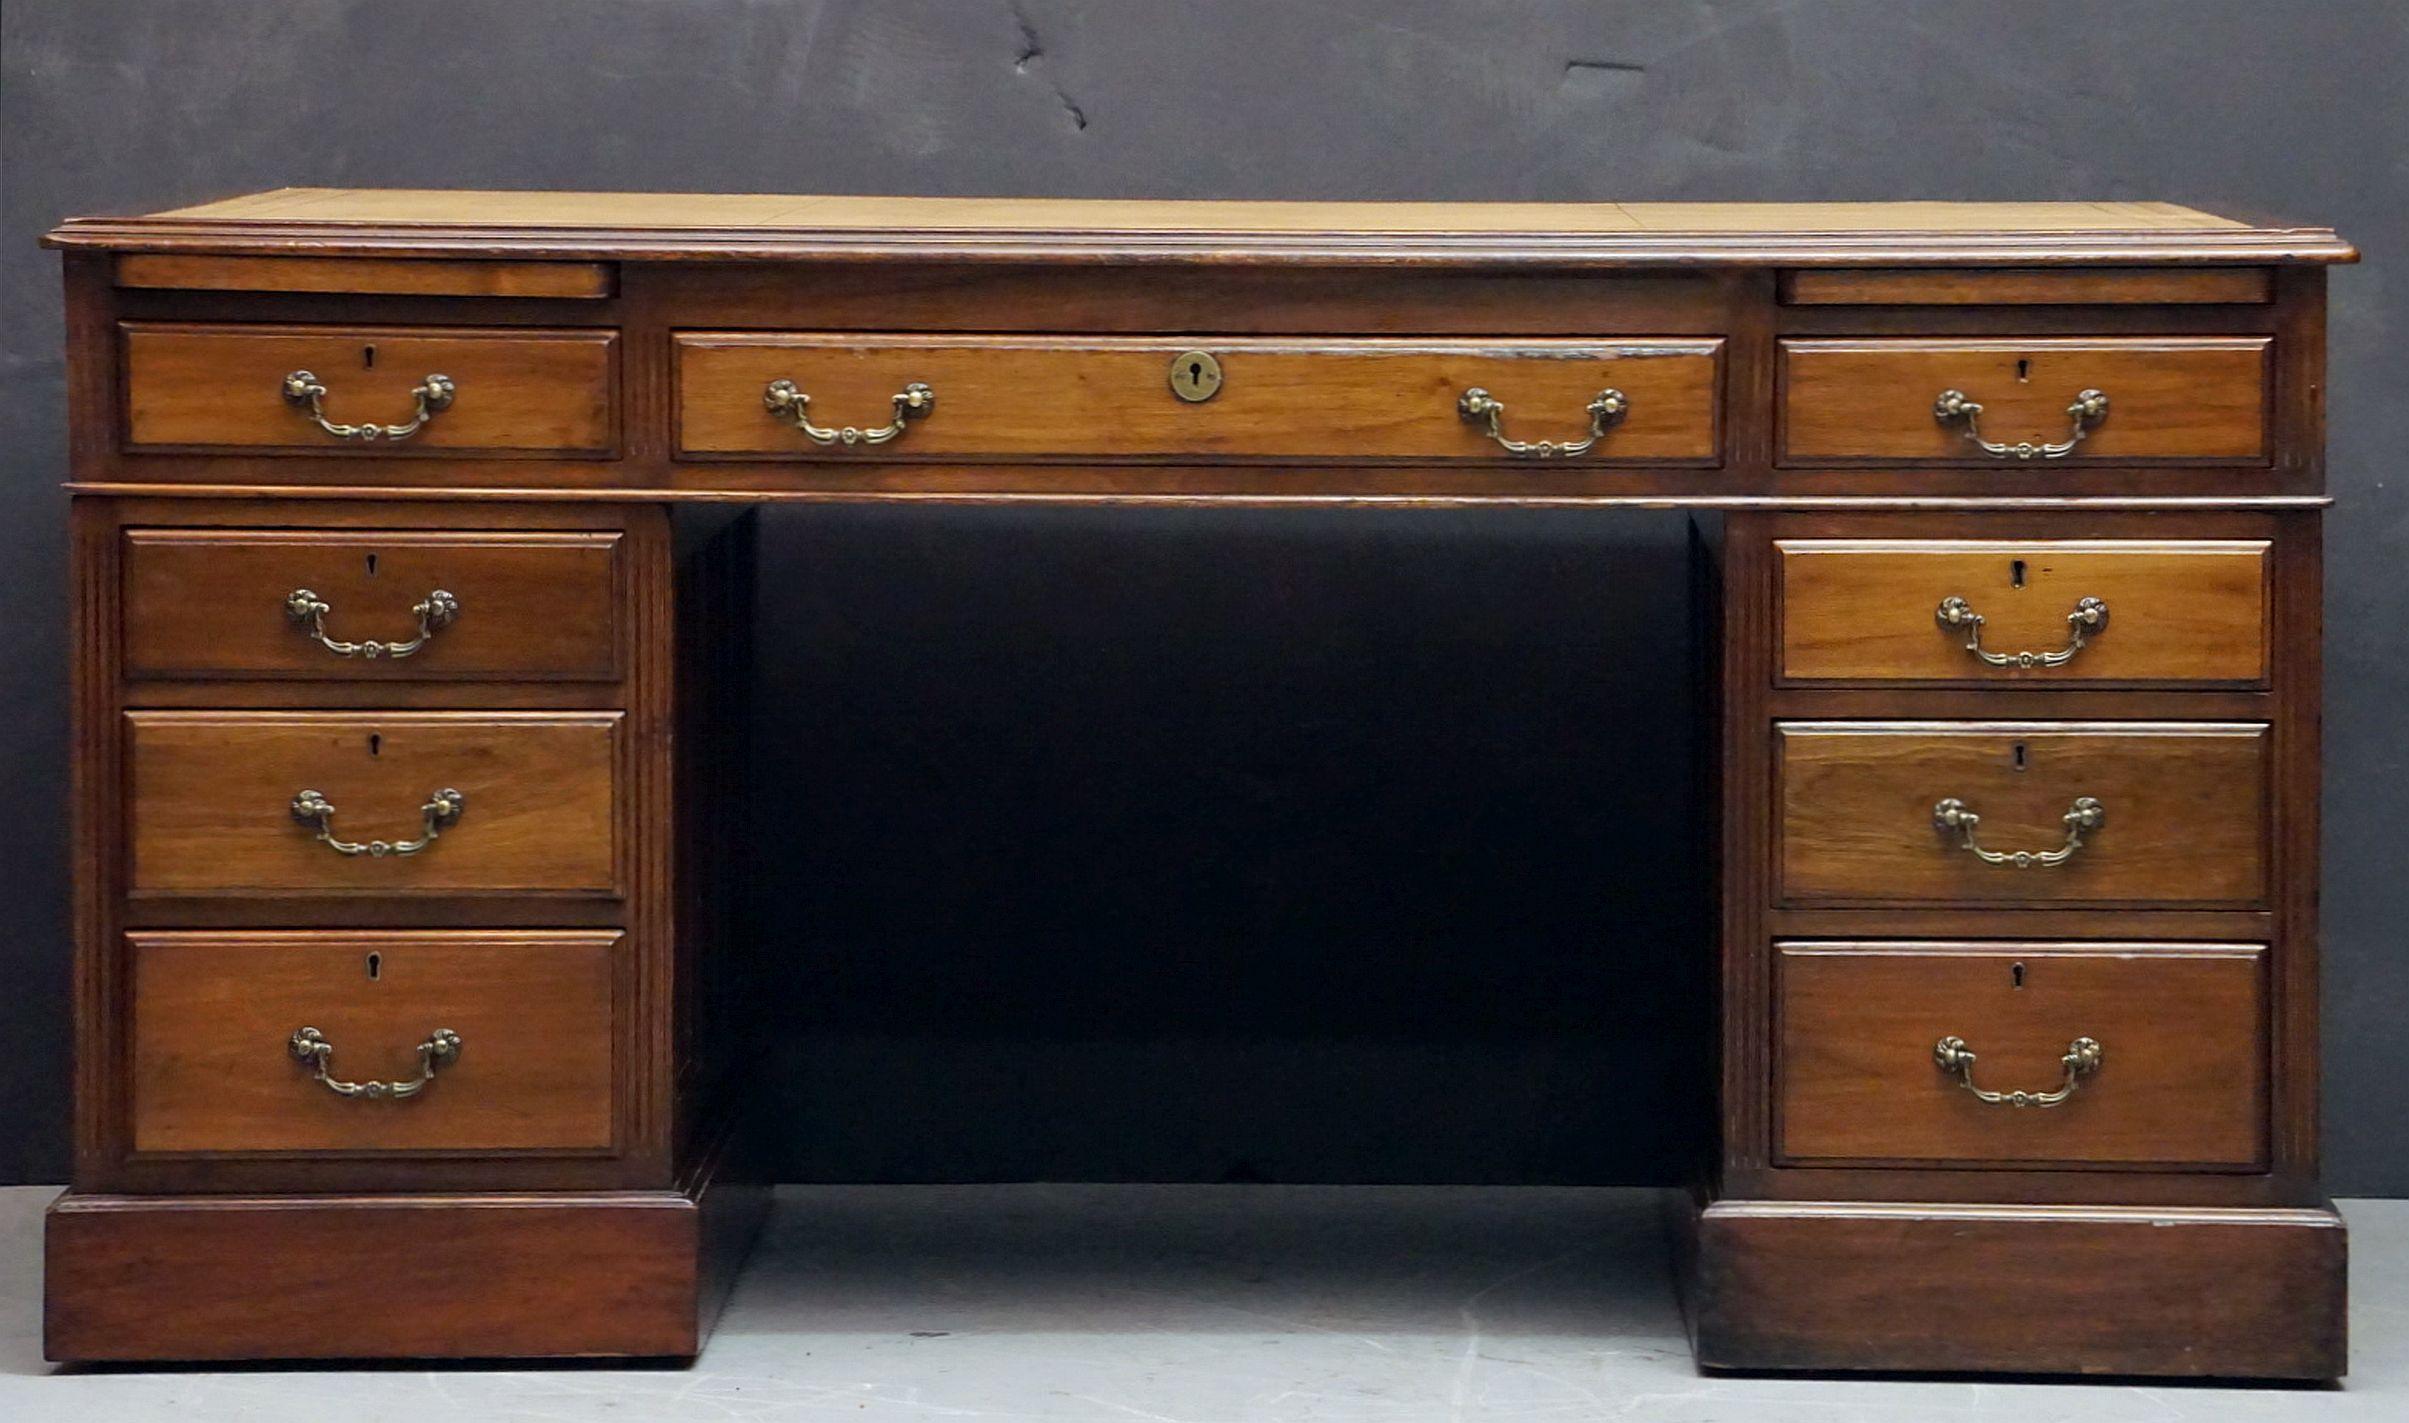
(370, 390)
(371, 604)
(1966, 401)
(979, 397)
(2098, 612)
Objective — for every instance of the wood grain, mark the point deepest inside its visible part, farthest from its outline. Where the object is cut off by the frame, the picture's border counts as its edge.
(1063, 397)
(534, 605)
(2179, 611)
(534, 1275)
(536, 392)
(2190, 398)
(2043, 286)
(367, 276)
(2100, 1290)
(534, 1011)
(2186, 812)
(2182, 1083)
(208, 802)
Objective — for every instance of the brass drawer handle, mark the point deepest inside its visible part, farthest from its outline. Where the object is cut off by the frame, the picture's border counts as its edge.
(2089, 616)
(2083, 1057)
(2089, 408)
(2084, 814)
(783, 398)
(303, 391)
(308, 612)
(442, 809)
(1479, 407)
(310, 1047)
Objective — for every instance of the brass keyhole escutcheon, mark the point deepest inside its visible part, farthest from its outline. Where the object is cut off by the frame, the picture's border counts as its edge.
(1195, 376)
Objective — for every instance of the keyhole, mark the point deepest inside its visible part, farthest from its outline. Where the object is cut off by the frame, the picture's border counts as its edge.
(2015, 975)
(2024, 369)
(376, 743)
(2016, 573)
(2020, 757)
(1196, 373)
(372, 565)
(376, 966)
(368, 358)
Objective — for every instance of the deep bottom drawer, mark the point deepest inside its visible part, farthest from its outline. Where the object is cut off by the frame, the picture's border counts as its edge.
(2176, 1074)
(524, 1021)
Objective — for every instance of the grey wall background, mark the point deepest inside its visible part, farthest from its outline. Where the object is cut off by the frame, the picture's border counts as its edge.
(1091, 1039)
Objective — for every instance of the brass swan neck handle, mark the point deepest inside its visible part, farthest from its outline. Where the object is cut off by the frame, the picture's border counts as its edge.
(306, 393)
(308, 612)
(2083, 1057)
(2089, 616)
(2089, 408)
(1606, 410)
(310, 1048)
(2084, 815)
(442, 810)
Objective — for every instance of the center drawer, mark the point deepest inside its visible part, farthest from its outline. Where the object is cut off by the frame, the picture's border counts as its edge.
(1069, 398)
(2061, 813)
(372, 803)
(521, 1027)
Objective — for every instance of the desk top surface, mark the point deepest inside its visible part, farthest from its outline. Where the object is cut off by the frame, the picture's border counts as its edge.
(761, 226)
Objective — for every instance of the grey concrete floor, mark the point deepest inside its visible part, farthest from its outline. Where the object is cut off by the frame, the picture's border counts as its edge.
(1174, 1303)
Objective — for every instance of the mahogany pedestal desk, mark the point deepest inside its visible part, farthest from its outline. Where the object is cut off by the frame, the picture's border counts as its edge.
(412, 579)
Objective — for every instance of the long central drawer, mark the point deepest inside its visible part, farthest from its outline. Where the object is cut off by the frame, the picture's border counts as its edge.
(995, 397)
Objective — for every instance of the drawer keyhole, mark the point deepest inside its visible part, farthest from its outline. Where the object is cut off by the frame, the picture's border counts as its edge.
(376, 966)
(376, 743)
(2024, 369)
(368, 358)
(2015, 974)
(2020, 760)
(2015, 573)
(372, 565)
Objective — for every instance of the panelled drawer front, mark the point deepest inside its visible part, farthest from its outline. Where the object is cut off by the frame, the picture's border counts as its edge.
(2180, 1077)
(2181, 813)
(2169, 398)
(1871, 610)
(1064, 397)
(215, 1015)
(531, 605)
(512, 391)
(211, 802)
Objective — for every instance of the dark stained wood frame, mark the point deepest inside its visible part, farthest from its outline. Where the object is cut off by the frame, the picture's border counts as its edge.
(2020, 1269)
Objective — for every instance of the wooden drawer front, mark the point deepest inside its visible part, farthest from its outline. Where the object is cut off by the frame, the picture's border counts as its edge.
(522, 605)
(223, 387)
(2181, 1078)
(2169, 398)
(211, 796)
(2182, 807)
(215, 1014)
(1871, 611)
(1056, 396)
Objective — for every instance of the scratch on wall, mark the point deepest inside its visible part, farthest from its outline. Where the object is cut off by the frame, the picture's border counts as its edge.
(1589, 78)
(1031, 51)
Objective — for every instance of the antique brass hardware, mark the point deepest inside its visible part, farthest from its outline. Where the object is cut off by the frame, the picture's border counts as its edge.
(303, 391)
(1195, 376)
(2083, 1057)
(442, 809)
(1479, 407)
(310, 1047)
(783, 398)
(2089, 408)
(2085, 814)
(2089, 616)
(308, 611)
